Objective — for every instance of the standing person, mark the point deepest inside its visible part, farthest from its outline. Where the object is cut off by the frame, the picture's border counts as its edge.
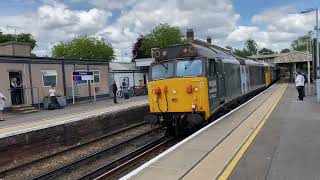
(14, 86)
(124, 84)
(300, 85)
(2, 103)
(53, 97)
(114, 90)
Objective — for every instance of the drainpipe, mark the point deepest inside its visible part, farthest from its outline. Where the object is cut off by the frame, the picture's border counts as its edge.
(64, 78)
(31, 86)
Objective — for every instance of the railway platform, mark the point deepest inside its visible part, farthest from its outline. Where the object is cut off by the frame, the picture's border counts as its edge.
(20, 123)
(26, 138)
(272, 136)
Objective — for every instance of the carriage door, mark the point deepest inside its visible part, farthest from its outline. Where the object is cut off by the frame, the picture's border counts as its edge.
(243, 78)
(221, 81)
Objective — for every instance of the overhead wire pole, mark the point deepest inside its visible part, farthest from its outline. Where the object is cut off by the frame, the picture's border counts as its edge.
(15, 30)
(317, 53)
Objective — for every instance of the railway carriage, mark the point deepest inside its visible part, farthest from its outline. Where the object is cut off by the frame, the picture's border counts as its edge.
(190, 83)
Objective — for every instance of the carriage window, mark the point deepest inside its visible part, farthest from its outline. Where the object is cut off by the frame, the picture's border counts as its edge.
(163, 70)
(189, 68)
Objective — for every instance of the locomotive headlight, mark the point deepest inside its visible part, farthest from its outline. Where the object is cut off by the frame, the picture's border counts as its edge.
(193, 106)
(192, 49)
(185, 50)
(157, 54)
(196, 89)
(164, 53)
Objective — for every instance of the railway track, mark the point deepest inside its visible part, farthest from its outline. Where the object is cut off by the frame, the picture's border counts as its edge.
(23, 171)
(85, 167)
(122, 166)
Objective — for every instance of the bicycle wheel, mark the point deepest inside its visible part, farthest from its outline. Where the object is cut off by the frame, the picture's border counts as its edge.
(120, 94)
(131, 93)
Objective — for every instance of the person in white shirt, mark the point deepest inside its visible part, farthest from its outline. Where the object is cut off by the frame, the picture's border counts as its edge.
(53, 97)
(2, 103)
(300, 85)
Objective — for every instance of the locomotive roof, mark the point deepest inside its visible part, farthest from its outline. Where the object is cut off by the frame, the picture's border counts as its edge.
(202, 49)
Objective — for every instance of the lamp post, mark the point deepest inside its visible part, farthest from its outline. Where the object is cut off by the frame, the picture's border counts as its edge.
(308, 63)
(317, 53)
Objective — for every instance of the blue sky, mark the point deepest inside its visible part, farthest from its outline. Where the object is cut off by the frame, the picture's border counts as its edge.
(273, 24)
(247, 8)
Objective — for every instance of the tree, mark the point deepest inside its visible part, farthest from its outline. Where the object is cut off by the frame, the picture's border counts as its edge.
(242, 53)
(161, 36)
(301, 43)
(137, 51)
(251, 46)
(23, 37)
(285, 50)
(266, 51)
(84, 47)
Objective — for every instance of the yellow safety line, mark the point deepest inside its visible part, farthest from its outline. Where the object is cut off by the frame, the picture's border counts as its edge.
(226, 173)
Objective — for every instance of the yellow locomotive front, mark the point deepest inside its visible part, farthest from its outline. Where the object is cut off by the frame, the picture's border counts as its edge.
(178, 93)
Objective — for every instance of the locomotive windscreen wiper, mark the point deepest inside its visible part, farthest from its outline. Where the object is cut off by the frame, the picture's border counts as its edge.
(187, 66)
(166, 67)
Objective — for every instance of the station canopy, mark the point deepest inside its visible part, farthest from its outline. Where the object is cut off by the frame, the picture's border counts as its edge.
(293, 57)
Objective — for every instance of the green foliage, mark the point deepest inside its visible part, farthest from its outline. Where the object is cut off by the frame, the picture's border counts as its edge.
(137, 51)
(242, 53)
(266, 51)
(301, 43)
(23, 37)
(161, 36)
(286, 50)
(251, 46)
(84, 47)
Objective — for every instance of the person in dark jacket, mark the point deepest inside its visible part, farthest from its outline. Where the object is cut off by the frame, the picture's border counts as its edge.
(114, 90)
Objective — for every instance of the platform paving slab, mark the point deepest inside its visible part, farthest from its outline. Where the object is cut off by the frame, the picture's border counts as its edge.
(14, 119)
(287, 146)
(216, 161)
(212, 136)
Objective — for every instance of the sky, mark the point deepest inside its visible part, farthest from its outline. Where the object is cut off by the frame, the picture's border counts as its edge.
(271, 23)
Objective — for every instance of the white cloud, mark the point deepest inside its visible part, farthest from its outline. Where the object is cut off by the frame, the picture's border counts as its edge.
(54, 21)
(206, 17)
(274, 28)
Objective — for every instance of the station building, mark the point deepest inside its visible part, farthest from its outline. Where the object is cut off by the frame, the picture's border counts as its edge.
(292, 61)
(35, 75)
(133, 75)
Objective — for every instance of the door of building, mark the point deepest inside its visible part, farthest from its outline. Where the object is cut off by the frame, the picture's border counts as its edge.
(16, 88)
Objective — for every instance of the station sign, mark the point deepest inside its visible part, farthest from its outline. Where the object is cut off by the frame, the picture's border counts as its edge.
(82, 76)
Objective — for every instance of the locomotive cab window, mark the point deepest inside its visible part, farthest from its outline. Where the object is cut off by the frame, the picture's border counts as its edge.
(189, 68)
(163, 70)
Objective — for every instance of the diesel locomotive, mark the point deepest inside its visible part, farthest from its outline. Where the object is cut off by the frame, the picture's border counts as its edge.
(189, 83)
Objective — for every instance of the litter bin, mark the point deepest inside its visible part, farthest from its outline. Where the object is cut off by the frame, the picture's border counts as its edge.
(126, 94)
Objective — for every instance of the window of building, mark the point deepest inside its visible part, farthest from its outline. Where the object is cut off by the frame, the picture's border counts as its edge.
(49, 78)
(96, 75)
